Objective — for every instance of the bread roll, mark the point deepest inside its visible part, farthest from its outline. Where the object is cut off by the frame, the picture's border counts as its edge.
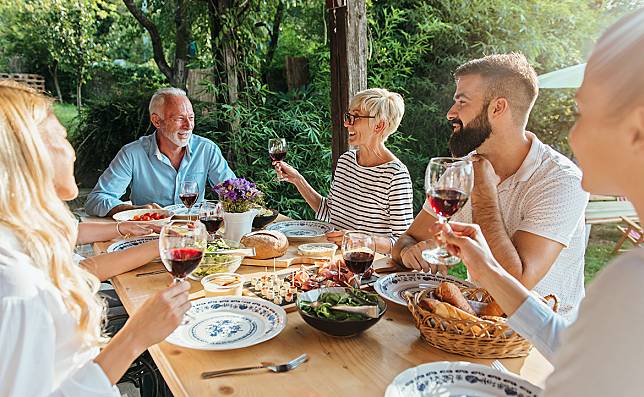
(446, 310)
(450, 293)
(492, 309)
(268, 244)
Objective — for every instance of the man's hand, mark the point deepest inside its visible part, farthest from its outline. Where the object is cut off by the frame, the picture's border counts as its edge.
(412, 258)
(485, 178)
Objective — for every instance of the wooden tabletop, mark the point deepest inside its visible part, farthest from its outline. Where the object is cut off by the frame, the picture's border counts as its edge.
(356, 366)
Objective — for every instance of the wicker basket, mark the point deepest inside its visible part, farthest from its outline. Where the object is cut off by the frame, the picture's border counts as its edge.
(485, 338)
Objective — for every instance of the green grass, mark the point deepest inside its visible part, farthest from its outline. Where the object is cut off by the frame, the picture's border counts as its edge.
(598, 253)
(66, 113)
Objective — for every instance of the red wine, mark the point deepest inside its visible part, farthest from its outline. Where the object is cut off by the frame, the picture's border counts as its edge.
(188, 199)
(183, 261)
(446, 202)
(358, 262)
(278, 156)
(212, 223)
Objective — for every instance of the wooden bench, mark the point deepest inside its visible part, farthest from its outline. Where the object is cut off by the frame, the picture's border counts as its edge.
(609, 211)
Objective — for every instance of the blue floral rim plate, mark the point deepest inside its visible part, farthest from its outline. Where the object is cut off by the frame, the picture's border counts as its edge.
(180, 209)
(301, 229)
(226, 323)
(129, 243)
(393, 287)
(459, 379)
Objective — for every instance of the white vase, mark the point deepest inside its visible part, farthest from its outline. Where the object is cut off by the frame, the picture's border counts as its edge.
(238, 224)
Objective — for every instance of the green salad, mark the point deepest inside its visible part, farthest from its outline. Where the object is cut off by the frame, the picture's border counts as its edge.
(215, 263)
(354, 297)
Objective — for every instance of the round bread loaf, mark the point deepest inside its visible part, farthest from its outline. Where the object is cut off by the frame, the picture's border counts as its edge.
(268, 244)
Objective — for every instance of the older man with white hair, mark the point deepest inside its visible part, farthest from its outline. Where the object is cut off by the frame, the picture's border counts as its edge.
(155, 165)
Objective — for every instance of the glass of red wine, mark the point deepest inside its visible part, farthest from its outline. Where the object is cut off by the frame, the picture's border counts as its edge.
(189, 194)
(277, 148)
(448, 184)
(358, 251)
(181, 245)
(211, 214)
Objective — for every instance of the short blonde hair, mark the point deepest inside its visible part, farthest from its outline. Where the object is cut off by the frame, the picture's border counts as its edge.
(32, 210)
(382, 104)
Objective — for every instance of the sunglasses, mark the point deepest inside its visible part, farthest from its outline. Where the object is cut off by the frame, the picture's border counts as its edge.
(351, 118)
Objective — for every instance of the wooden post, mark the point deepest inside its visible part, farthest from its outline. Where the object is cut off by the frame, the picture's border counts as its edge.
(347, 27)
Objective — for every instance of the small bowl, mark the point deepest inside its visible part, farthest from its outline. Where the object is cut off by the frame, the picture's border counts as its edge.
(217, 263)
(129, 214)
(317, 250)
(333, 327)
(213, 284)
(261, 221)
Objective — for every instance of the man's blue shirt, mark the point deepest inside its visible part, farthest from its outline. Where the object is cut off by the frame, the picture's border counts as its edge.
(152, 177)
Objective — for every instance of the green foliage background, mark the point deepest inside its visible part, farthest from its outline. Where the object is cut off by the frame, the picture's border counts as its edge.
(414, 46)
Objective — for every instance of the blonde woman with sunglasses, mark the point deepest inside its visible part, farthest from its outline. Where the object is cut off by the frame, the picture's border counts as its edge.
(371, 189)
(51, 319)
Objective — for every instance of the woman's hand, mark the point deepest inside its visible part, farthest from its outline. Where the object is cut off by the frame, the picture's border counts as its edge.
(286, 172)
(160, 315)
(335, 237)
(468, 243)
(138, 229)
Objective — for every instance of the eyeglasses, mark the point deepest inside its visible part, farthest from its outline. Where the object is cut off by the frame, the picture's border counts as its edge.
(351, 118)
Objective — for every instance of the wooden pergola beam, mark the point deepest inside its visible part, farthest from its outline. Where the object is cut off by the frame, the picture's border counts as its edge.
(347, 27)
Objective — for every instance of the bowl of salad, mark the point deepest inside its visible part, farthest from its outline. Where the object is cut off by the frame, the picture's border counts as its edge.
(323, 317)
(264, 217)
(217, 263)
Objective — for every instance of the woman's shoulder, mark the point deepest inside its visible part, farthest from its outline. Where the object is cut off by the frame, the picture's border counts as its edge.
(18, 277)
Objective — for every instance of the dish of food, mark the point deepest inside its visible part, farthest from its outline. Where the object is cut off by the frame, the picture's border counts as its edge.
(158, 217)
(264, 217)
(317, 250)
(283, 289)
(315, 308)
(222, 284)
(393, 287)
(458, 379)
(301, 230)
(217, 263)
(225, 323)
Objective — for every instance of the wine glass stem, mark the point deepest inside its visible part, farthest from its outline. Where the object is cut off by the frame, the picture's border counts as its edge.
(186, 317)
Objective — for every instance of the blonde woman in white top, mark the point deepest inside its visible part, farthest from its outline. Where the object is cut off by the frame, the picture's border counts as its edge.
(600, 354)
(50, 317)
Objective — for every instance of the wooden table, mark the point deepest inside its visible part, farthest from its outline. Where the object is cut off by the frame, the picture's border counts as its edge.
(357, 366)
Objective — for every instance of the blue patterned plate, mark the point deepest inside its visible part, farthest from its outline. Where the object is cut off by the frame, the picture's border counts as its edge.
(301, 230)
(450, 379)
(229, 322)
(393, 286)
(181, 210)
(131, 242)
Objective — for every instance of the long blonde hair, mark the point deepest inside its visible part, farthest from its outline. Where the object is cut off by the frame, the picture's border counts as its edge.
(31, 209)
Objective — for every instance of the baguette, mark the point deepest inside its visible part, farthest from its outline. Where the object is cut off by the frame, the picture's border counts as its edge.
(492, 309)
(446, 310)
(450, 293)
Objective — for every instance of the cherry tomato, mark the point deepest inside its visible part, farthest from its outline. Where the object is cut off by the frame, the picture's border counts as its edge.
(145, 218)
(136, 218)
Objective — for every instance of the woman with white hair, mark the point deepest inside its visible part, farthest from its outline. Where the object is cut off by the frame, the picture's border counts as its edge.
(51, 334)
(371, 188)
(600, 354)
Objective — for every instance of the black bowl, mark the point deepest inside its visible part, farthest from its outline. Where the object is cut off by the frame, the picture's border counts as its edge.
(262, 220)
(333, 327)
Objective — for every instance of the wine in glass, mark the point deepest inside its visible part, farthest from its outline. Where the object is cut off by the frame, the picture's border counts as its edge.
(189, 194)
(181, 245)
(358, 252)
(448, 183)
(211, 215)
(277, 148)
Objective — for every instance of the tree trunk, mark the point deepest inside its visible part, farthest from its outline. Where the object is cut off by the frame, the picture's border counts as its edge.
(79, 87)
(272, 45)
(182, 39)
(297, 72)
(219, 75)
(54, 75)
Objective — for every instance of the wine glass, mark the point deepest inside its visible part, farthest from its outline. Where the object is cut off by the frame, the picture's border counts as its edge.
(181, 245)
(211, 214)
(189, 194)
(448, 184)
(358, 251)
(277, 148)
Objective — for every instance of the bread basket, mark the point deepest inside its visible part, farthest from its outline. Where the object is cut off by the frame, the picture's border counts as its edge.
(485, 338)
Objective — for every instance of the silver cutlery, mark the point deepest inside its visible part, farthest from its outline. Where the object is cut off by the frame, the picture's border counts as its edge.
(151, 273)
(496, 364)
(270, 366)
(236, 251)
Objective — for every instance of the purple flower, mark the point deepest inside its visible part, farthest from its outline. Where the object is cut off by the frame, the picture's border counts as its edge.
(238, 194)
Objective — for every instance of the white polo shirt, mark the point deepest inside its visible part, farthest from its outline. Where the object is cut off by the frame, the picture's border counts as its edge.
(544, 197)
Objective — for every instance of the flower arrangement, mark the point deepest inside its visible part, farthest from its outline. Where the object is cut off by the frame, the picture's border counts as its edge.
(238, 195)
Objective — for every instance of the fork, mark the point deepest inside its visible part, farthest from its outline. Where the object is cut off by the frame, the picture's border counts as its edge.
(496, 364)
(275, 368)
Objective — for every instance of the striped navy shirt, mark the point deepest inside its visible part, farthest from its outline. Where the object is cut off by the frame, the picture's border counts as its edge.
(372, 199)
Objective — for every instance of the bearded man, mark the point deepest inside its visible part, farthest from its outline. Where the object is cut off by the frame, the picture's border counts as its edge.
(527, 197)
(155, 165)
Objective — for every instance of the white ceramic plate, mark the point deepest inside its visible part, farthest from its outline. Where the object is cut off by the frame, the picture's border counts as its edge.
(131, 242)
(129, 214)
(181, 210)
(301, 230)
(450, 379)
(392, 287)
(228, 322)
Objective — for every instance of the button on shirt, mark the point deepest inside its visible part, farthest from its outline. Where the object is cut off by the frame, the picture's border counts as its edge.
(544, 197)
(152, 177)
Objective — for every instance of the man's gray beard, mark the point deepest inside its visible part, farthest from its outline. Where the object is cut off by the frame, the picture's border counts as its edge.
(179, 142)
